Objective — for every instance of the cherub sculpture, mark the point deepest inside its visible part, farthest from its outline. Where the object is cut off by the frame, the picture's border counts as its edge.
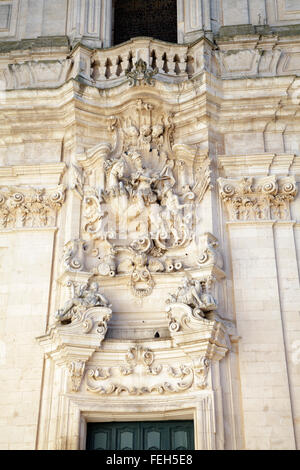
(88, 296)
(191, 293)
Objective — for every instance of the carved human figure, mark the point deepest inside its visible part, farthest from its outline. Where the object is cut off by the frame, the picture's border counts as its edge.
(141, 181)
(187, 294)
(145, 135)
(172, 213)
(87, 297)
(115, 178)
(191, 294)
(208, 302)
(157, 133)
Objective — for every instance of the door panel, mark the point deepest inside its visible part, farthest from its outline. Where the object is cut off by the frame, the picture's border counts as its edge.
(127, 436)
(149, 435)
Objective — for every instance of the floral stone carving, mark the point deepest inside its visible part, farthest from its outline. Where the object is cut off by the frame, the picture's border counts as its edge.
(139, 366)
(29, 207)
(258, 198)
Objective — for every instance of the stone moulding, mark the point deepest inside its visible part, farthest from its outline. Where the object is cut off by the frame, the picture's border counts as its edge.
(249, 56)
(250, 198)
(29, 207)
(260, 164)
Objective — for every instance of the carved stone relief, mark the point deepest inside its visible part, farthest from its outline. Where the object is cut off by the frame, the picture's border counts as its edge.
(139, 364)
(265, 198)
(83, 297)
(141, 74)
(196, 295)
(38, 73)
(138, 219)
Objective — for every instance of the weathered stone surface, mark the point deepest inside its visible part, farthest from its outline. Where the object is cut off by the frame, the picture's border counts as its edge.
(149, 234)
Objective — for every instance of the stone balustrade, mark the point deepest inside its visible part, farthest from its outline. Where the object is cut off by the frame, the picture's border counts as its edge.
(107, 67)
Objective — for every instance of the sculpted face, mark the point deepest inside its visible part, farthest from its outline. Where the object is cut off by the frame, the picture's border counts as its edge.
(138, 162)
(94, 286)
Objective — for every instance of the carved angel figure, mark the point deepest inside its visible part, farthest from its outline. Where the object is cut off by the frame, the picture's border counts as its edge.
(87, 297)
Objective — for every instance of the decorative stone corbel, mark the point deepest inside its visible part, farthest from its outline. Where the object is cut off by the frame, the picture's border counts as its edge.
(196, 335)
(72, 345)
(76, 370)
(201, 370)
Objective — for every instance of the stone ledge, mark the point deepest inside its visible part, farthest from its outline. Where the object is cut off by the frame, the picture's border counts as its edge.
(228, 32)
(36, 43)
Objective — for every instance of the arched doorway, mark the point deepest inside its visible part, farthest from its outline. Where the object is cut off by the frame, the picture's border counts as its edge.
(153, 18)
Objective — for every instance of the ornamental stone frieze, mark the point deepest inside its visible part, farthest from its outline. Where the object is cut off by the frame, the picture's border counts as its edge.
(131, 380)
(29, 207)
(266, 198)
(141, 375)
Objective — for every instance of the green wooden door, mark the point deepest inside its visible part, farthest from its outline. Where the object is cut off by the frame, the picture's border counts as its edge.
(150, 435)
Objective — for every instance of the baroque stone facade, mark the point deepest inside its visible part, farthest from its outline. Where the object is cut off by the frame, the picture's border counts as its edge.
(149, 223)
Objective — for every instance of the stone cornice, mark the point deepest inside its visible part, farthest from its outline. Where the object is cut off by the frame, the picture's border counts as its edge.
(262, 164)
(50, 173)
